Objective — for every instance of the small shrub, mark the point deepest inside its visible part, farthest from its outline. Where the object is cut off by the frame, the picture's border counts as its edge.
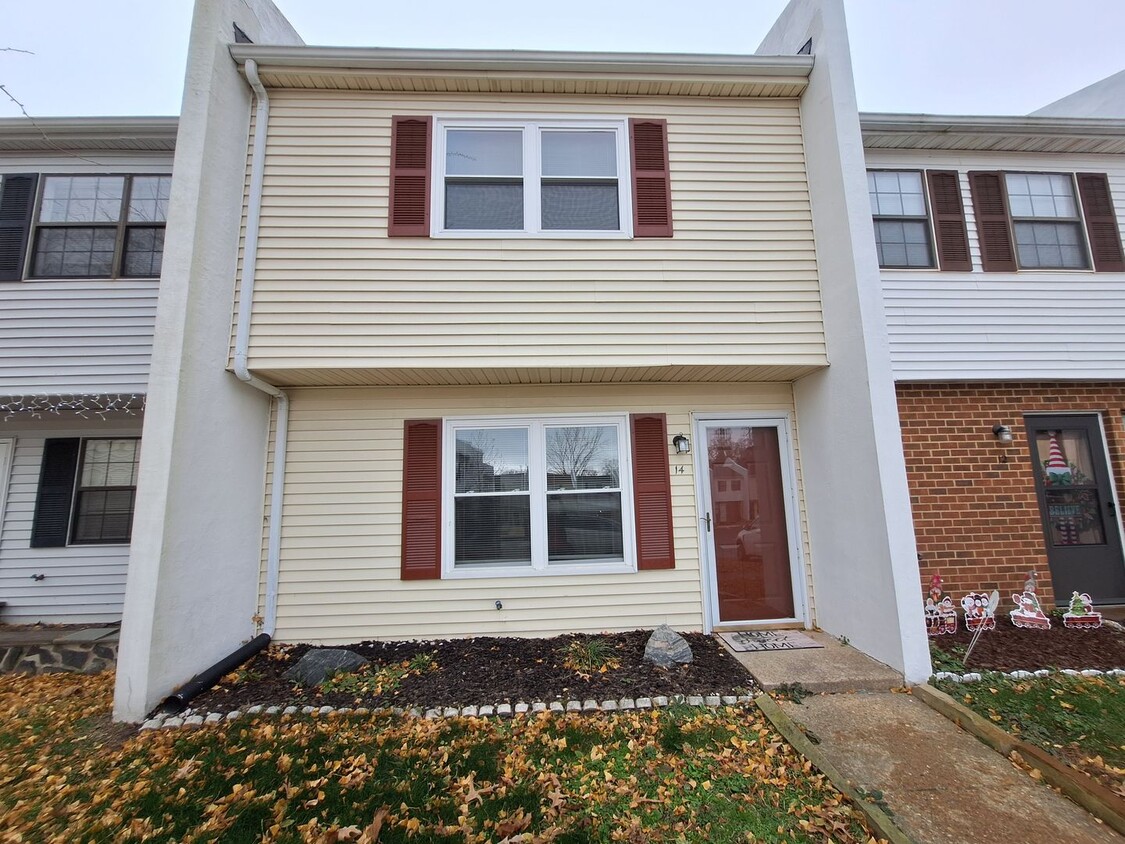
(589, 656)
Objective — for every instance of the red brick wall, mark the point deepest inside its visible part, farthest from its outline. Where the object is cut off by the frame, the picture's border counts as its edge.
(975, 511)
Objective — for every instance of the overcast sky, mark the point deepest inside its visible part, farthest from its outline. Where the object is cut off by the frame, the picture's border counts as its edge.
(126, 57)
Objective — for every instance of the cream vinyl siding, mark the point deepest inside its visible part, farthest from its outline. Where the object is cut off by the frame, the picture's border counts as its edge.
(83, 583)
(341, 533)
(1032, 324)
(77, 335)
(736, 286)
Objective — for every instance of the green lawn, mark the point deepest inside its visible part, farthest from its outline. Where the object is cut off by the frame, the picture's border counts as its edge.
(67, 774)
(1079, 719)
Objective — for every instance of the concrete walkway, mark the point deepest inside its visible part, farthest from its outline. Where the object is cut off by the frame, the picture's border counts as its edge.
(941, 784)
(834, 667)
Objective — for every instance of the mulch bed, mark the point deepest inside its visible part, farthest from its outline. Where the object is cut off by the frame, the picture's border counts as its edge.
(473, 672)
(1010, 648)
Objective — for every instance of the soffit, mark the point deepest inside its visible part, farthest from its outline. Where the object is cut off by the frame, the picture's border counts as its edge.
(993, 134)
(88, 134)
(488, 72)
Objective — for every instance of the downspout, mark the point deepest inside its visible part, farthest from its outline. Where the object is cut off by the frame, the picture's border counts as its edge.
(242, 342)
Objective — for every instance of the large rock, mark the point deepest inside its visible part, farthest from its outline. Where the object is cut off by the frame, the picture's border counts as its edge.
(666, 648)
(319, 664)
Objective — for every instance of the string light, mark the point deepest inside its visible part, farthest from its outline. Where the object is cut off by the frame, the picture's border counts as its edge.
(82, 405)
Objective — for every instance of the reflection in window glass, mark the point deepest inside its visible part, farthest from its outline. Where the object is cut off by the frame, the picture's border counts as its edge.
(107, 490)
(1034, 199)
(148, 199)
(82, 199)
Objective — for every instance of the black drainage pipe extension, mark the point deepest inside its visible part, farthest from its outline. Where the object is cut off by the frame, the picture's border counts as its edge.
(177, 702)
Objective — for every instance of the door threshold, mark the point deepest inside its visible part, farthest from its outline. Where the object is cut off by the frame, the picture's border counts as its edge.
(746, 626)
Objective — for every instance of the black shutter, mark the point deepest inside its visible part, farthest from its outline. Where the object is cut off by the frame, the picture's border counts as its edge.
(56, 493)
(17, 201)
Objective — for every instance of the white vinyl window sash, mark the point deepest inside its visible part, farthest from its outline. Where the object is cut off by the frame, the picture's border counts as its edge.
(548, 495)
(533, 177)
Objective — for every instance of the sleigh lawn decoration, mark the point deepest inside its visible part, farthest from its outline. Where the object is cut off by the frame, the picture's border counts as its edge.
(1081, 614)
(1028, 614)
(941, 617)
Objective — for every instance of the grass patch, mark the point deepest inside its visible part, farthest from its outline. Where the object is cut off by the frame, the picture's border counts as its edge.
(1079, 719)
(676, 775)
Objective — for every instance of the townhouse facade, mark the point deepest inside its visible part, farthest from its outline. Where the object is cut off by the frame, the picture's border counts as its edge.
(521, 344)
(82, 213)
(1004, 286)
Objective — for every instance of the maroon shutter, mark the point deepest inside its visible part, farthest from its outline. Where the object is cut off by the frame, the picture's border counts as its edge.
(949, 221)
(652, 492)
(990, 204)
(17, 201)
(409, 213)
(652, 185)
(1101, 223)
(421, 499)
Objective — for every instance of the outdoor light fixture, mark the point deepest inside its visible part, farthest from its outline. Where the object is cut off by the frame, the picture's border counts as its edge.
(681, 443)
(1002, 433)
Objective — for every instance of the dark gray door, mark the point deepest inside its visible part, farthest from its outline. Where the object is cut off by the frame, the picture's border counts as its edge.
(1076, 503)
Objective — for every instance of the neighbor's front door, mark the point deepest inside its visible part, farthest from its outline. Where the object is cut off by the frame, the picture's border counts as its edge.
(1076, 502)
(745, 524)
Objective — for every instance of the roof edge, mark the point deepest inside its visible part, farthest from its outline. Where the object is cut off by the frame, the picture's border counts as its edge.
(517, 61)
(991, 124)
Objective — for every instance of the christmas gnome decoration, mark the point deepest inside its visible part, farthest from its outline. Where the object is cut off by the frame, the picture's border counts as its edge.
(980, 610)
(1081, 613)
(941, 617)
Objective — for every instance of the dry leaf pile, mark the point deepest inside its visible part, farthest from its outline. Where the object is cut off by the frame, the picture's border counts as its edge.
(68, 774)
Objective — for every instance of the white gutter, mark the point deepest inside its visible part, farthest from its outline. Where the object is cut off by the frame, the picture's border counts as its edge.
(242, 343)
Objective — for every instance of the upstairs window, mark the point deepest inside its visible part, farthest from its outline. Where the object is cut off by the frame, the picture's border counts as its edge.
(100, 227)
(902, 226)
(521, 177)
(1046, 222)
(538, 178)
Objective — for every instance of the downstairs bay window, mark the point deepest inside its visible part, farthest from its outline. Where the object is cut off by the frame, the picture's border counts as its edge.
(498, 497)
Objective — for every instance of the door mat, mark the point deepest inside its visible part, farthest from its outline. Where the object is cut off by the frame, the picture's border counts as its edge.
(769, 640)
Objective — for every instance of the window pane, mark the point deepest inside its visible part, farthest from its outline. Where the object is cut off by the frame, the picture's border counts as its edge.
(903, 243)
(579, 153)
(491, 460)
(483, 206)
(492, 529)
(580, 207)
(1040, 195)
(104, 515)
(484, 152)
(586, 526)
(1050, 246)
(582, 457)
(82, 199)
(896, 194)
(74, 252)
(144, 252)
(148, 199)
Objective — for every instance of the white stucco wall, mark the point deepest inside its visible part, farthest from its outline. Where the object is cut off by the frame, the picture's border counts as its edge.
(865, 568)
(192, 583)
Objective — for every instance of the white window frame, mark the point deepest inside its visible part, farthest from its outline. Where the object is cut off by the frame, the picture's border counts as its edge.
(532, 127)
(935, 260)
(537, 482)
(1079, 218)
